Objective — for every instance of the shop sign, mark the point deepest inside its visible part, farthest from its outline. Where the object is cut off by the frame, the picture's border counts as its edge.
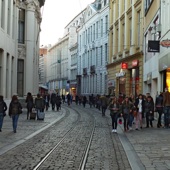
(135, 63)
(124, 65)
(153, 46)
(165, 43)
(111, 83)
(121, 74)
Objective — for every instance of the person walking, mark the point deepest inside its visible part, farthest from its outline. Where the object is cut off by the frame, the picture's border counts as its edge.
(140, 108)
(114, 108)
(3, 109)
(84, 101)
(53, 98)
(127, 113)
(15, 109)
(39, 104)
(149, 110)
(58, 102)
(104, 104)
(68, 99)
(30, 104)
(166, 104)
(159, 108)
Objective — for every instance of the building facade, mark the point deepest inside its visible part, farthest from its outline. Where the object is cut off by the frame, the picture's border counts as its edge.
(19, 46)
(125, 68)
(62, 59)
(151, 73)
(93, 49)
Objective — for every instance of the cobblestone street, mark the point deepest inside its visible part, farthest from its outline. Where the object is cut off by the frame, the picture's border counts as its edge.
(145, 149)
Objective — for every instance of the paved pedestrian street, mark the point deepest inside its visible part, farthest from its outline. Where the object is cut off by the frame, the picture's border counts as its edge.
(148, 148)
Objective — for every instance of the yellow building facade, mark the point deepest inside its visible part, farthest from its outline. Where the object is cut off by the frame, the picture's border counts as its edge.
(125, 68)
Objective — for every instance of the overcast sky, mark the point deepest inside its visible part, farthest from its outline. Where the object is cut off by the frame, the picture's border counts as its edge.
(56, 14)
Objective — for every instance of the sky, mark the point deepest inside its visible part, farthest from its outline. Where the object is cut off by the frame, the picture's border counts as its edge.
(56, 14)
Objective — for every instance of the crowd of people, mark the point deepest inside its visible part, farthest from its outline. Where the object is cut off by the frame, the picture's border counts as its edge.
(139, 111)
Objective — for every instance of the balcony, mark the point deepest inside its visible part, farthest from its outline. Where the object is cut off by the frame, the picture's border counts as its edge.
(92, 69)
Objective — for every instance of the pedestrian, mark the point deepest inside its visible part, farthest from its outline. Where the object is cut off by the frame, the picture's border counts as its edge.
(127, 113)
(58, 102)
(84, 101)
(63, 98)
(104, 104)
(159, 108)
(39, 104)
(15, 109)
(47, 100)
(166, 104)
(3, 109)
(53, 98)
(140, 108)
(114, 108)
(68, 99)
(77, 99)
(30, 103)
(149, 111)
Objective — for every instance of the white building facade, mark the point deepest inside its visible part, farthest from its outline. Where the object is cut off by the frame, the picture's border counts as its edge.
(63, 61)
(19, 46)
(93, 49)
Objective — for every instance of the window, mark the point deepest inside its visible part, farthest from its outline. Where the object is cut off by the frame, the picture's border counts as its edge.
(21, 26)
(147, 5)
(9, 17)
(20, 78)
(101, 48)
(138, 27)
(130, 30)
(97, 24)
(101, 27)
(106, 25)
(105, 1)
(2, 13)
(106, 53)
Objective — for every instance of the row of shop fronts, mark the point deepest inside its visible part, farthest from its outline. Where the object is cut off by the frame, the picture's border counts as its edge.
(129, 77)
(125, 77)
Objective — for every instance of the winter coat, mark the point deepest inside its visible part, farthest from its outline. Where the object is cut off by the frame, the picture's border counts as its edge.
(114, 108)
(166, 99)
(15, 108)
(3, 107)
(127, 108)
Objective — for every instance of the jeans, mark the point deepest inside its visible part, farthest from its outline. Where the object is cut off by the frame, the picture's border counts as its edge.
(1, 120)
(126, 120)
(15, 121)
(103, 110)
(160, 111)
(114, 120)
(131, 118)
(166, 115)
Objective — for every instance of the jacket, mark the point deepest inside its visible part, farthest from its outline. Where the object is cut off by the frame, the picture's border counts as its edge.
(166, 99)
(114, 108)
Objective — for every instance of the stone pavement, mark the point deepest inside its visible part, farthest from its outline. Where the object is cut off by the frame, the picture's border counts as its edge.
(148, 148)
(26, 128)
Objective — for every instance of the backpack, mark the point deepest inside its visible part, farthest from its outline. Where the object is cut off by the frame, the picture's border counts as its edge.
(1, 107)
(15, 108)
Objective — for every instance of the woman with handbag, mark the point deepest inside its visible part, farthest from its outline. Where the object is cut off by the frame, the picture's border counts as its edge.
(114, 108)
(3, 108)
(15, 109)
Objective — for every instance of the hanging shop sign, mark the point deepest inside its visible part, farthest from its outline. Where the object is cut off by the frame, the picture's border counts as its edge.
(121, 74)
(153, 46)
(124, 65)
(135, 63)
(165, 43)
